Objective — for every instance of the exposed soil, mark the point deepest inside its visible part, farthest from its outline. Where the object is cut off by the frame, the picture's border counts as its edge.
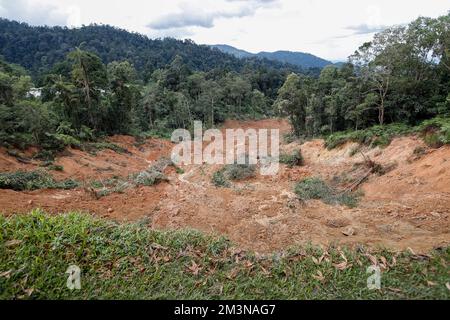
(408, 206)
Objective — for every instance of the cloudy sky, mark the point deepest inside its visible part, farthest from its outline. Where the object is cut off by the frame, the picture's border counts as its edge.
(328, 28)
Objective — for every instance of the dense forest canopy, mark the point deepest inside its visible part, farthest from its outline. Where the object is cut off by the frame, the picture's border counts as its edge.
(403, 75)
(39, 48)
(99, 80)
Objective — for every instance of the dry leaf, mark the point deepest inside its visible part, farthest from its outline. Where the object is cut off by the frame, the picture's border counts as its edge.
(12, 243)
(448, 285)
(372, 259)
(29, 292)
(319, 276)
(314, 259)
(431, 283)
(233, 273)
(6, 274)
(194, 268)
(341, 266)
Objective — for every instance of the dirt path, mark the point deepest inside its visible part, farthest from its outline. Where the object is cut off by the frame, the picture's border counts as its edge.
(407, 207)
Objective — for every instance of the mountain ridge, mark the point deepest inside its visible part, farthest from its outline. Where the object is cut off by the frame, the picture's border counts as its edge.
(301, 59)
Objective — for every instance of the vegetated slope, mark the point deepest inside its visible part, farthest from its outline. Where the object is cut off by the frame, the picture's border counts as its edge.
(39, 48)
(301, 59)
(408, 206)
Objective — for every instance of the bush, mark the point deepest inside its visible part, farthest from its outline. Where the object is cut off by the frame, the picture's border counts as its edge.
(317, 189)
(292, 160)
(239, 171)
(94, 147)
(436, 131)
(33, 180)
(219, 180)
(374, 136)
(154, 174)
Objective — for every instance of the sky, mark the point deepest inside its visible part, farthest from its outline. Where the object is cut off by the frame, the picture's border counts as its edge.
(330, 29)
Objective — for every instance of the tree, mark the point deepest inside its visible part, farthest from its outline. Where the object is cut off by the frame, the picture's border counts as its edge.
(292, 101)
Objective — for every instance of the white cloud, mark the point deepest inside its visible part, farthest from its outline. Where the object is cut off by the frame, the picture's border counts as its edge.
(33, 12)
(328, 28)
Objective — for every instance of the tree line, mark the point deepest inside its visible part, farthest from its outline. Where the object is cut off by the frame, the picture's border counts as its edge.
(403, 75)
(81, 99)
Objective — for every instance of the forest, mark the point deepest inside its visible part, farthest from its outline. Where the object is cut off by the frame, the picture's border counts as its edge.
(133, 85)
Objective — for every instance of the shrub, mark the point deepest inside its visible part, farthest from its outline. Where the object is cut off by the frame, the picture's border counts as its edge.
(33, 180)
(374, 136)
(317, 189)
(154, 174)
(94, 147)
(436, 131)
(239, 171)
(292, 160)
(55, 167)
(219, 180)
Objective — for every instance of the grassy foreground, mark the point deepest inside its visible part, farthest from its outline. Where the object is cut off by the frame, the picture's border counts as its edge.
(130, 261)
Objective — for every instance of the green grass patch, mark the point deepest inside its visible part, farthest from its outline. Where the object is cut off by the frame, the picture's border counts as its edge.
(33, 180)
(317, 189)
(132, 261)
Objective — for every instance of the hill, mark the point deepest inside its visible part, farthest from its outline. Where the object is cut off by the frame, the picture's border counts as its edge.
(300, 59)
(39, 48)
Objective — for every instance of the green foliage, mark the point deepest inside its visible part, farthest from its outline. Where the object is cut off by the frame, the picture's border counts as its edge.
(373, 136)
(401, 76)
(219, 179)
(239, 171)
(132, 261)
(154, 173)
(33, 180)
(436, 131)
(317, 189)
(292, 160)
(94, 147)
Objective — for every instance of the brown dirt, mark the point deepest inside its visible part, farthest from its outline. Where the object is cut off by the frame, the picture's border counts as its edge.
(407, 207)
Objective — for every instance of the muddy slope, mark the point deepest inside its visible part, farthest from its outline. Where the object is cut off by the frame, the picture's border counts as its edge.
(409, 206)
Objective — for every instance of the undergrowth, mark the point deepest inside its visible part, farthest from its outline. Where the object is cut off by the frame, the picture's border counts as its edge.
(33, 180)
(436, 133)
(132, 261)
(317, 189)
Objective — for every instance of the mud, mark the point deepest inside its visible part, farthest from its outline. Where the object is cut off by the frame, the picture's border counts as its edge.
(408, 207)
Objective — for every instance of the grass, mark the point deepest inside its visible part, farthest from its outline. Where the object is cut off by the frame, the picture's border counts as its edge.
(33, 180)
(317, 189)
(436, 133)
(131, 261)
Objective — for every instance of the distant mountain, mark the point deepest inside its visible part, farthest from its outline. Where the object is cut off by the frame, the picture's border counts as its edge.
(301, 59)
(234, 51)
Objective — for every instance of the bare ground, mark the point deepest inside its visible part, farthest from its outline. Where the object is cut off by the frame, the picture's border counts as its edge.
(408, 207)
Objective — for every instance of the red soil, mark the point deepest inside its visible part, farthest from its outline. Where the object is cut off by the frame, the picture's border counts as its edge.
(407, 207)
